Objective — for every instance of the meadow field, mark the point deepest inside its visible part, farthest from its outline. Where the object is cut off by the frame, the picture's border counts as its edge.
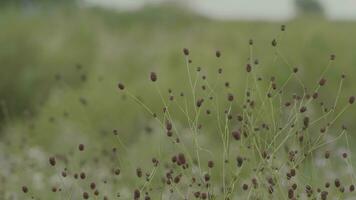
(79, 88)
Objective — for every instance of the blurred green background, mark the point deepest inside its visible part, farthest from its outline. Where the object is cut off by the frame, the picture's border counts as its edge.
(52, 54)
(60, 63)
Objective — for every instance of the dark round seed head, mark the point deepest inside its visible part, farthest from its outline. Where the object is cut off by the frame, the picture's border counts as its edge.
(303, 109)
(153, 77)
(332, 57)
(176, 179)
(337, 183)
(121, 86)
(139, 172)
(292, 172)
(294, 186)
(218, 54)
(181, 159)
(85, 195)
(52, 161)
(92, 185)
(245, 186)
(168, 126)
(236, 135)
(324, 195)
(315, 95)
(186, 51)
(351, 99)
(283, 27)
(239, 161)
(81, 147)
(206, 177)
(274, 42)
(322, 81)
(82, 175)
(210, 164)
(199, 102)
(327, 154)
(344, 155)
(230, 97)
(117, 171)
(24, 189)
(248, 68)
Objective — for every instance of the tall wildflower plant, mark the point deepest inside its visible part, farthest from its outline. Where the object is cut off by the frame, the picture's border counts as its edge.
(265, 142)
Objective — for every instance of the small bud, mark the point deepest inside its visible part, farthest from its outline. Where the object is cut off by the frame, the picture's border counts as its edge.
(351, 99)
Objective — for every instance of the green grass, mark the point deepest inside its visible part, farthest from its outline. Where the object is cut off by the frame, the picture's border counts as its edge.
(112, 47)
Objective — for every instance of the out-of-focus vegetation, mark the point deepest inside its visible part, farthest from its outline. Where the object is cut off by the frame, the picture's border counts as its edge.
(59, 68)
(29, 3)
(36, 47)
(309, 6)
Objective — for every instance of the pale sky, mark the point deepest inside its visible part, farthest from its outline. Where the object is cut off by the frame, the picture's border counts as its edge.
(340, 9)
(243, 9)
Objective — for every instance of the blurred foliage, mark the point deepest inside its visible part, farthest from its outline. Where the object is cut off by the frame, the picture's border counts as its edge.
(29, 3)
(309, 6)
(31, 59)
(124, 46)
